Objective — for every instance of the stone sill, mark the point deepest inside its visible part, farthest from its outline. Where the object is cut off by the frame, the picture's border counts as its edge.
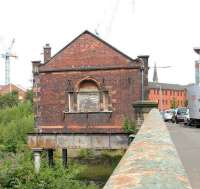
(97, 112)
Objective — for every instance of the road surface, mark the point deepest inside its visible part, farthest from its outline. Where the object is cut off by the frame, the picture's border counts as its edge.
(187, 142)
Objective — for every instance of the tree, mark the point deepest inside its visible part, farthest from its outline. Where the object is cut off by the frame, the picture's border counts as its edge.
(173, 103)
(29, 95)
(186, 103)
(9, 99)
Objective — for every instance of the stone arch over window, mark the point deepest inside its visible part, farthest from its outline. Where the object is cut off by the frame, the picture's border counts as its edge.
(89, 95)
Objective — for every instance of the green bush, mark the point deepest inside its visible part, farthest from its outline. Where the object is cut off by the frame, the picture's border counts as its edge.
(16, 159)
(129, 126)
(18, 172)
(15, 113)
(16, 163)
(29, 95)
(15, 123)
(9, 100)
(85, 153)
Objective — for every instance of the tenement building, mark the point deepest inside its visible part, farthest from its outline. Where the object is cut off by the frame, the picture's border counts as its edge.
(167, 95)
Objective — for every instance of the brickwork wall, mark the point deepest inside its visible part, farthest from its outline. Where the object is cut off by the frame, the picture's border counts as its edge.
(168, 95)
(123, 86)
(87, 51)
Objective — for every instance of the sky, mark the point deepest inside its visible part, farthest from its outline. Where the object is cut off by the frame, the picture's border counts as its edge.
(166, 30)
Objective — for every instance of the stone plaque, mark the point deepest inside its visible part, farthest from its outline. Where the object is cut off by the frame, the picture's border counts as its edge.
(88, 102)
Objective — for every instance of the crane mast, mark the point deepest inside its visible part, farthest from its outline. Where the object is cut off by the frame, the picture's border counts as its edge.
(7, 56)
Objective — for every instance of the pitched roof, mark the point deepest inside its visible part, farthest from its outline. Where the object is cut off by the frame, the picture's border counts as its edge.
(154, 85)
(6, 87)
(98, 38)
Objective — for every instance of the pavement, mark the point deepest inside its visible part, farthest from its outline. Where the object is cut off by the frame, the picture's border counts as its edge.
(187, 142)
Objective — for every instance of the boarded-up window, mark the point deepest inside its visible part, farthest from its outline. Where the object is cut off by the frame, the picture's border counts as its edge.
(88, 99)
(88, 102)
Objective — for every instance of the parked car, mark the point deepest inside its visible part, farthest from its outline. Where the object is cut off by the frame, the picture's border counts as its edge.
(182, 115)
(168, 115)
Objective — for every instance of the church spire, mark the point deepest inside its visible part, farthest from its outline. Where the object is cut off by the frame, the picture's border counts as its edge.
(155, 75)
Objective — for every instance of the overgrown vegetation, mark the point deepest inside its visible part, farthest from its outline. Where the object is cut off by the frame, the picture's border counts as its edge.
(29, 95)
(15, 123)
(83, 153)
(9, 100)
(87, 171)
(129, 126)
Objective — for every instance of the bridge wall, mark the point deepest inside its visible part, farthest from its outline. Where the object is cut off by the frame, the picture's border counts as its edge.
(151, 161)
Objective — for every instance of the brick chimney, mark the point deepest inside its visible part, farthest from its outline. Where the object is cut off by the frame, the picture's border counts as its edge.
(47, 53)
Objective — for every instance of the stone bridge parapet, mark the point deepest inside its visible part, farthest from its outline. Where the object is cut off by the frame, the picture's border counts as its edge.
(151, 161)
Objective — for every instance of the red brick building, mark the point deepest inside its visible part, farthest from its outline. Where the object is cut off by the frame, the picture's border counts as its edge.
(88, 86)
(4, 89)
(167, 95)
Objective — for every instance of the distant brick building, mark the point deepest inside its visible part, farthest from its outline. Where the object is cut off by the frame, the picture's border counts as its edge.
(167, 95)
(4, 89)
(88, 86)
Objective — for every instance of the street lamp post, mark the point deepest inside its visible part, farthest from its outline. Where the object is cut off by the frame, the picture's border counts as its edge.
(161, 103)
(142, 68)
(142, 73)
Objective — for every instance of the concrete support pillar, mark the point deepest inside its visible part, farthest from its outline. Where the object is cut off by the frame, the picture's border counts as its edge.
(37, 159)
(64, 157)
(50, 157)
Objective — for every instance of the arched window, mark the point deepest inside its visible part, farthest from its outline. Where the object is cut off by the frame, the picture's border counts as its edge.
(88, 97)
